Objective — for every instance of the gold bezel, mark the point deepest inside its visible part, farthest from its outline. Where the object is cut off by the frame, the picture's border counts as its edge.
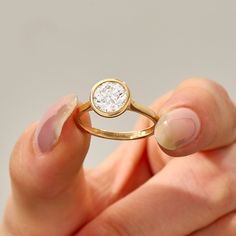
(115, 113)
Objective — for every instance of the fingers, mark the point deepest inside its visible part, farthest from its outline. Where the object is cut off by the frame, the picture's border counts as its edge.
(199, 115)
(188, 194)
(225, 226)
(47, 179)
(123, 217)
(132, 160)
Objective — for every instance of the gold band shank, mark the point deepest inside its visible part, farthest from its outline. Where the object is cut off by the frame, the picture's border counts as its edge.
(130, 135)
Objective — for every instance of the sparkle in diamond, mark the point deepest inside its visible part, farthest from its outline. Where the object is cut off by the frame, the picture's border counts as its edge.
(110, 97)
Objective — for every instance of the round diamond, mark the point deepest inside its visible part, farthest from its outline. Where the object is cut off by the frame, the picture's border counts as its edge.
(110, 96)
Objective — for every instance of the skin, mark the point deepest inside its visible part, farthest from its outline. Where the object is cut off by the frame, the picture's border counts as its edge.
(141, 189)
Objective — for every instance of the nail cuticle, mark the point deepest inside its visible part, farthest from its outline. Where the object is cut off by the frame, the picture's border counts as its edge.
(177, 128)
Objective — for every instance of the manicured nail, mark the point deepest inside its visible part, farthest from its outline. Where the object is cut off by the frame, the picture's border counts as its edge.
(177, 128)
(51, 124)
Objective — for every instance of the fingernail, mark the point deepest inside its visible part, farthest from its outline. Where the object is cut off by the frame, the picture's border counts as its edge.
(177, 128)
(51, 124)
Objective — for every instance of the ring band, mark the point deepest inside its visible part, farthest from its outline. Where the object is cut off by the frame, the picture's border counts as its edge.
(110, 98)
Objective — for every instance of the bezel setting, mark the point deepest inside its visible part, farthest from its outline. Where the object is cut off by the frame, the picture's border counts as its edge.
(110, 97)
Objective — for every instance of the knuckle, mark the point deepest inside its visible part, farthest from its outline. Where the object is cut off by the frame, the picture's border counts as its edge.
(205, 83)
(217, 88)
(195, 81)
(213, 186)
(219, 192)
(110, 225)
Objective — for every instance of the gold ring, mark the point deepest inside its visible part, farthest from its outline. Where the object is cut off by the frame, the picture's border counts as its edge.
(110, 98)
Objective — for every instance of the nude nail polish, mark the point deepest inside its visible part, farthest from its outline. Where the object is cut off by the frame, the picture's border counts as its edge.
(177, 128)
(50, 126)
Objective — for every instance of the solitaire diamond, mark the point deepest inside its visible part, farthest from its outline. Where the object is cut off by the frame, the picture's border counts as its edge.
(110, 97)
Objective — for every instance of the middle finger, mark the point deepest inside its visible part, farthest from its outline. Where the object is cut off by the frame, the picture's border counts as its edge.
(188, 194)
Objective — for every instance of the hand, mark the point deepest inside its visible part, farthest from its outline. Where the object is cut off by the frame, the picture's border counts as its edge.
(141, 189)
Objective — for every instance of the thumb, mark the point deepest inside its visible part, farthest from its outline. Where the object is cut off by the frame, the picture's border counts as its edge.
(47, 179)
(199, 115)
